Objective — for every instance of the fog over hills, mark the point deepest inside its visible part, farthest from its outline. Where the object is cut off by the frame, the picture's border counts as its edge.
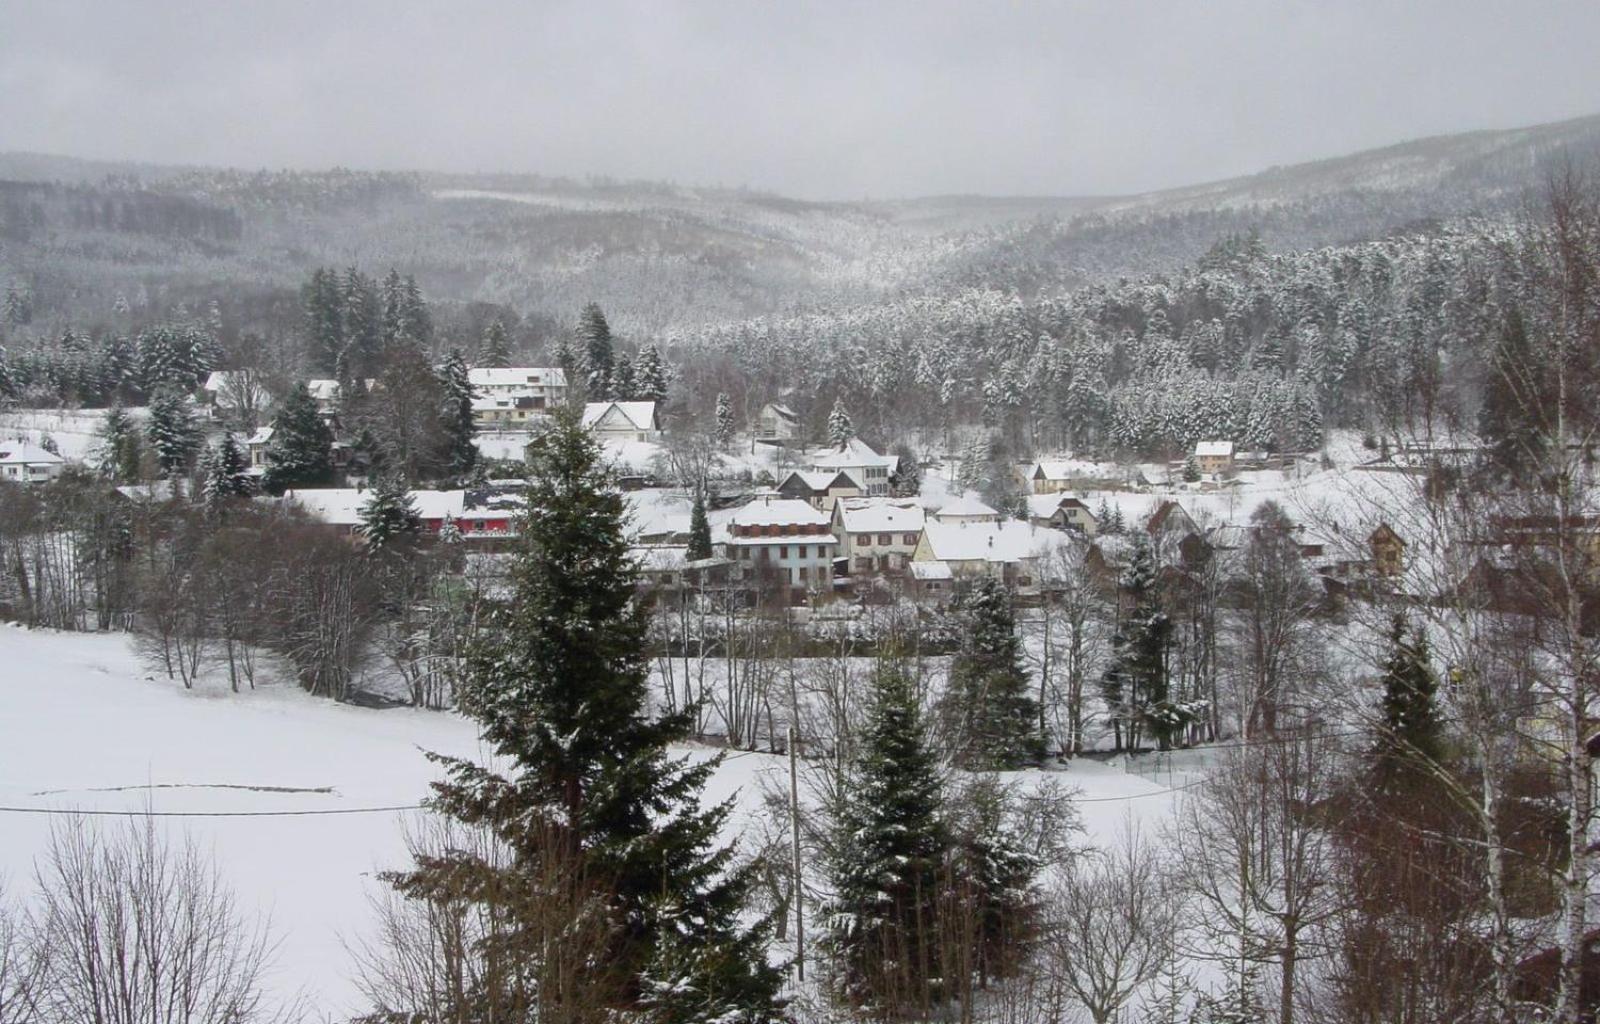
(661, 257)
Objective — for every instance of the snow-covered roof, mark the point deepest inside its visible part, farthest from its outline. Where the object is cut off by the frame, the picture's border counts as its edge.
(661, 557)
(1068, 469)
(855, 452)
(642, 415)
(964, 506)
(930, 571)
(820, 479)
(878, 515)
(517, 376)
(780, 410)
(779, 512)
(323, 389)
(341, 506)
(1008, 541)
(261, 435)
(1043, 506)
(1203, 449)
(26, 453)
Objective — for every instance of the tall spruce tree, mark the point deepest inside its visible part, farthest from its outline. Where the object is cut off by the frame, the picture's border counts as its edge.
(458, 428)
(225, 479)
(699, 528)
(723, 432)
(650, 375)
(890, 842)
(172, 432)
(987, 708)
(118, 450)
(840, 427)
(1513, 404)
(496, 348)
(322, 299)
(598, 358)
(300, 452)
(1136, 684)
(559, 689)
(624, 385)
(1410, 736)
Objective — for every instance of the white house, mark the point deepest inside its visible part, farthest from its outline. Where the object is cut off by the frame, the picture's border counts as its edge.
(622, 421)
(24, 462)
(1008, 550)
(784, 543)
(1061, 512)
(877, 535)
(858, 459)
(777, 423)
(966, 510)
(509, 397)
(1214, 456)
(255, 448)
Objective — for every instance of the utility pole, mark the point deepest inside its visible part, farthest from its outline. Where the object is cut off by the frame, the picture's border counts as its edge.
(794, 833)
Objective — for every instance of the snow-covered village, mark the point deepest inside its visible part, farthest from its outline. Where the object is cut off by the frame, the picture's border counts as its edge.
(1082, 587)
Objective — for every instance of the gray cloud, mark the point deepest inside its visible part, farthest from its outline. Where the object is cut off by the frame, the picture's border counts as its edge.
(880, 98)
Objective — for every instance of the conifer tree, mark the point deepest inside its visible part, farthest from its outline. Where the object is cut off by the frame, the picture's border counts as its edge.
(1191, 469)
(1509, 417)
(1136, 683)
(300, 452)
(597, 352)
(650, 376)
(725, 426)
(118, 451)
(224, 477)
(389, 516)
(395, 326)
(987, 707)
(322, 299)
(559, 689)
(699, 529)
(458, 428)
(906, 480)
(1410, 736)
(890, 844)
(172, 432)
(624, 386)
(363, 326)
(840, 429)
(496, 348)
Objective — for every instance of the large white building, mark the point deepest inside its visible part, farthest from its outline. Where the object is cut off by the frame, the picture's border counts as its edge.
(783, 543)
(510, 397)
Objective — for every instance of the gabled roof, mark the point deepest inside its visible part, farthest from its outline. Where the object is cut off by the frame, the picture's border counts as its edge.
(930, 571)
(261, 436)
(855, 452)
(1043, 506)
(26, 453)
(517, 376)
(966, 506)
(640, 415)
(1204, 449)
(877, 515)
(820, 481)
(1169, 510)
(782, 411)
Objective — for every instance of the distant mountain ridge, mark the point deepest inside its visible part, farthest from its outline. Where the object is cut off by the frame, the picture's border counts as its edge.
(659, 256)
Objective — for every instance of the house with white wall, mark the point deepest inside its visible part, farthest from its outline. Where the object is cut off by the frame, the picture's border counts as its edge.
(877, 536)
(24, 462)
(622, 421)
(783, 547)
(857, 458)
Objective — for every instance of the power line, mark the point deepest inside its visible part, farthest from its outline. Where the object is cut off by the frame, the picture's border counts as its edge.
(75, 812)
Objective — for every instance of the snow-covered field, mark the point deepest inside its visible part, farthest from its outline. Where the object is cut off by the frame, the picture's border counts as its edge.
(73, 430)
(85, 726)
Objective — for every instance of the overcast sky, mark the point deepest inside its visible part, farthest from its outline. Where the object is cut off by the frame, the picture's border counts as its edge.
(828, 100)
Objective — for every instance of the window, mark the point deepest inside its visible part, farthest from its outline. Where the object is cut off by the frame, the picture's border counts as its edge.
(884, 540)
(803, 551)
(864, 563)
(911, 539)
(863, 540)
(783, 551)
(804, 573)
